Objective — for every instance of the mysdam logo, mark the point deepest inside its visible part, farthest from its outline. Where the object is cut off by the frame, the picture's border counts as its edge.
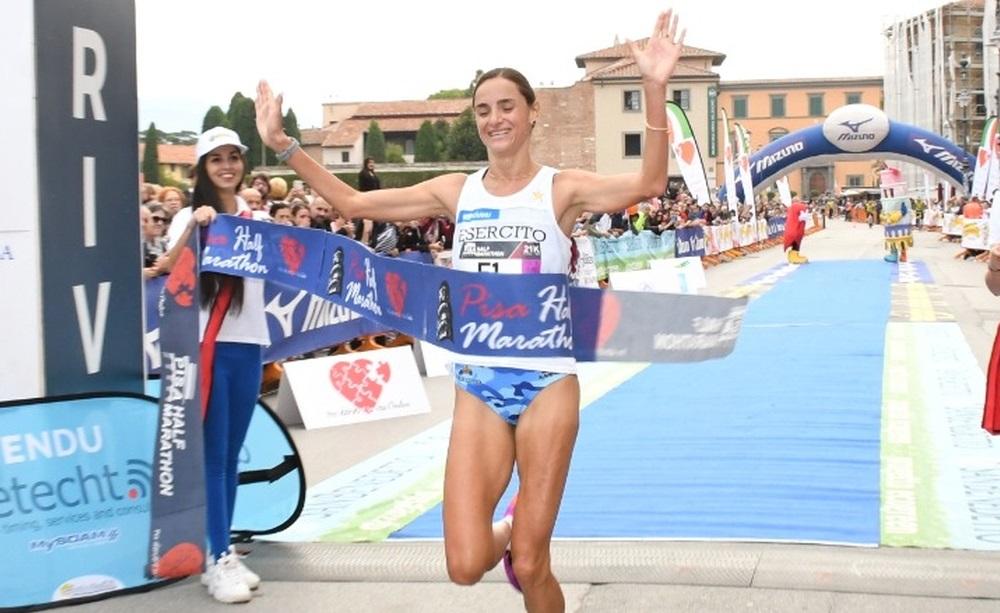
(74, 540)
(856, 128)
(80, 486)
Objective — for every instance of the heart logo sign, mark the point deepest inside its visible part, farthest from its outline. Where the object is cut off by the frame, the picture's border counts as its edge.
(397, 291)
(360, 381)
(292, 251)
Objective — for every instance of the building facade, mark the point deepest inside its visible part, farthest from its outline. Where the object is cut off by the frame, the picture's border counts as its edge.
(940, 72)
(345, 126)
(619, 103)
(770, 109)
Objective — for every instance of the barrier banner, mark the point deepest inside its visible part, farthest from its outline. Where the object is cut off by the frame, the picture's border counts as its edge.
(177, 496)
(975, 234)
(711, 240)
(585, 274)
(953, 225)
(775, 227)
(668, 244)
(74, 496)
(690, 241)
(463, 312)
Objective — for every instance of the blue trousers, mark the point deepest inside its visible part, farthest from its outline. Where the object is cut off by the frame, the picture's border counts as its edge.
(236, 375)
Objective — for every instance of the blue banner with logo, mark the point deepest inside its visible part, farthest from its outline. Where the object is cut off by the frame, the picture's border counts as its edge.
(690, 241)
(468, 313)
(860, 131)
(177, 498)
(74, 496)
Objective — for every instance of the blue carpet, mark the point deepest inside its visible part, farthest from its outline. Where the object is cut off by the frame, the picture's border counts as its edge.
(779, 441)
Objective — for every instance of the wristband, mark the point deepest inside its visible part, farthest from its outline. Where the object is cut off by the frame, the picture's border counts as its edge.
(654, 129)
(289, 151)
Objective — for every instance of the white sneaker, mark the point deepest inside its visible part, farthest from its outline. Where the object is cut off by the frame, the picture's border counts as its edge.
(225, 581)
(251, 578)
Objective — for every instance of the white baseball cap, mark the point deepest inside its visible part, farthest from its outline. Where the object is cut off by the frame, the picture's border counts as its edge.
(215, 138)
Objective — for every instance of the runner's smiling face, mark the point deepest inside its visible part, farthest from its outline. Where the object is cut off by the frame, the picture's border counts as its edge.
(224, 166)
(503, 116)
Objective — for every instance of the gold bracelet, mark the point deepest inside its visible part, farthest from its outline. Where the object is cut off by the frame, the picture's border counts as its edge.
(667, 129)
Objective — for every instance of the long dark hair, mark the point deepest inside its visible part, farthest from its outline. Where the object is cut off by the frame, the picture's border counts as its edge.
(205, 193)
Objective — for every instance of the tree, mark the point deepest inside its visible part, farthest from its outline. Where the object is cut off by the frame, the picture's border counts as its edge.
(463, 139)
(394, 154)
(472, 85)
(242, 120)
(441, 129)
(151, 157)
(449, 94)
(213, 118)
(375, 145)
(426, 148)
(291, 124)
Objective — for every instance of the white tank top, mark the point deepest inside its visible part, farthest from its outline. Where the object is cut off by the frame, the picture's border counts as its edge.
(515, 234)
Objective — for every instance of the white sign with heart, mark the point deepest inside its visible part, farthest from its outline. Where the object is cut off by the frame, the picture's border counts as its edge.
(359, 387)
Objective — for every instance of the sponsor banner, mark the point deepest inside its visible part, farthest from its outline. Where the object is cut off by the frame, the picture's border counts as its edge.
(975, 234)
(952, 225)
(724, 236)
(470, 313)
(642, 281)
(687, 154)
(698, 328)
(74, 496)
(348, 389)
(87, 152)
(177, 522)
(690, 241)
(862, 132)
(585, 273)
(681, 275)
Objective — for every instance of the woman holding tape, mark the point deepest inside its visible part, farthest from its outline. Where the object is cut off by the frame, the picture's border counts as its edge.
(233, 330)
(507, 410)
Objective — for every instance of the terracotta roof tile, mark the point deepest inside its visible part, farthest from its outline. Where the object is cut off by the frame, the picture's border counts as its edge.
(172, 154)
(392, 117)
(314, 136)
(621, 50)
(424, 108)
(625, 68)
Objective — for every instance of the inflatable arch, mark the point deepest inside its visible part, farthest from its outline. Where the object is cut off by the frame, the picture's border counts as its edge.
(859, 131)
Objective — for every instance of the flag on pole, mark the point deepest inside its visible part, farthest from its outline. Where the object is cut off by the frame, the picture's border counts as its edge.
(784, 192)
(727, 163)
(687, 154)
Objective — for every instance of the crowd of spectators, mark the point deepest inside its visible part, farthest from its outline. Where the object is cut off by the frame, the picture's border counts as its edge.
(270, 199)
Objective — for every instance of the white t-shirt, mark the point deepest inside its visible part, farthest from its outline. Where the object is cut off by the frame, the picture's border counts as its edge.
(515, 234)
(250, 324)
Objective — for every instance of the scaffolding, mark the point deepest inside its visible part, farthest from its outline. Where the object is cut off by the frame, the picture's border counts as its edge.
(940, 73)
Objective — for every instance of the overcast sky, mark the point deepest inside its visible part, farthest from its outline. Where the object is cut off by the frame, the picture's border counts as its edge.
(193, 54)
